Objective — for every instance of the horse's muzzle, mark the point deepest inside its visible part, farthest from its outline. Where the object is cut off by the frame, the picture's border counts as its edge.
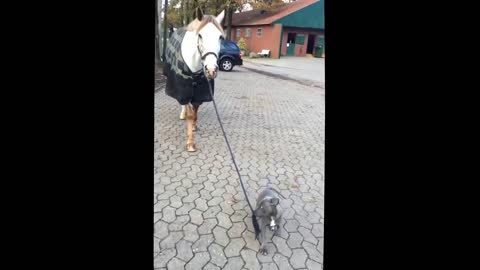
(211, 73)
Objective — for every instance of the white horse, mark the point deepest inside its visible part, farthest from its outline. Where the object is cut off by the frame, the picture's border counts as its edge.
(191, 58)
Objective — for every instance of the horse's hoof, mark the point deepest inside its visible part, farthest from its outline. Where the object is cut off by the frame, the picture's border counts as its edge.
(182, 117)
(191, 147)
(195, 128)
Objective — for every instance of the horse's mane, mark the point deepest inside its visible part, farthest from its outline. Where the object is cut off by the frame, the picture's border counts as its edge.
(197, 25)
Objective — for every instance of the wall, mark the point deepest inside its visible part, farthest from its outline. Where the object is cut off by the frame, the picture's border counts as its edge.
(300, 50)
(270, 39)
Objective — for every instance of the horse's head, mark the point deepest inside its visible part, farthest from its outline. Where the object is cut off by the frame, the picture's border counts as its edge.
(209, 36)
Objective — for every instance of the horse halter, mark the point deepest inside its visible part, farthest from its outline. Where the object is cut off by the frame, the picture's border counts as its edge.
(203, 56)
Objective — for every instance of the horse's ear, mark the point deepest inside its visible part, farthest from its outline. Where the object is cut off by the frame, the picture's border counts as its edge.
(198, 14)
(220, 17)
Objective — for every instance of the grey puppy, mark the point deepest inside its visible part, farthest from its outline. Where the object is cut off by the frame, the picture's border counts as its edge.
(269, 214)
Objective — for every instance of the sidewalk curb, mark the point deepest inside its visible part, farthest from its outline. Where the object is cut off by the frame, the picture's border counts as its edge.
(283, 77)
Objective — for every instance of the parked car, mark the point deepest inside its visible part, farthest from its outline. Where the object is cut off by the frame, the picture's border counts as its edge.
(229, 55)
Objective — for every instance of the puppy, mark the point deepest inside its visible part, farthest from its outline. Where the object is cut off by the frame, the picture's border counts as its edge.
(269, 214)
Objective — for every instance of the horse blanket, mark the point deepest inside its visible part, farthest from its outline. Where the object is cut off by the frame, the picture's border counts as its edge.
(182, 84)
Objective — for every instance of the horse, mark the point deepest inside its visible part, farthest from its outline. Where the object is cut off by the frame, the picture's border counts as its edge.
(191, 58)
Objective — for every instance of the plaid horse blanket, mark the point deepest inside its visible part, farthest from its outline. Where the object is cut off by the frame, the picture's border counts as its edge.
(182, 84)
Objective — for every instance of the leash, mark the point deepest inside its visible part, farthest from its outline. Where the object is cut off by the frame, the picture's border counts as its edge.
(256, 227)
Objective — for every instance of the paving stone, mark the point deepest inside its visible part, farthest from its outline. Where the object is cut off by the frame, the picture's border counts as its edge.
(307, 235)
(236, 230)
(158, 207)
(282, 246)
(218, 258)
(312, 252)
(196, 217)
(202, 243)
(178, 223)
(234, 247)
(317, 230)
(314, 265)
(282, 262)
(269, 266)
(234, 263)
(171, 240)
(295, 240)
(201, 204)
(198, 261)
(175, 263)
(211, 266)
(168, 214)
(239, 215)
(291, 225)
(212, 212)
(184, 250)
(298, 259)
(190, 232)
(184, 209)
(156, 245)
(251, 243)
(250, 259)
(207, 226)
(221, 236)
(163, 257)
(224, 220)
(160, 230)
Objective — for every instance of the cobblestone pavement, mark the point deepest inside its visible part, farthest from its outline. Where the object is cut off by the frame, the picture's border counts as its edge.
(201, 218)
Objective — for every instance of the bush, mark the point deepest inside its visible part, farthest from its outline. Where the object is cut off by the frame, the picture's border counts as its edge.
(242, 44)
(253, 55)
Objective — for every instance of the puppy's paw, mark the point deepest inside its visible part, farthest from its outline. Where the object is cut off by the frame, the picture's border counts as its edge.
(263, 251)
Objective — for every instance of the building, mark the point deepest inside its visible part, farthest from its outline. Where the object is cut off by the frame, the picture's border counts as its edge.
(295, 29)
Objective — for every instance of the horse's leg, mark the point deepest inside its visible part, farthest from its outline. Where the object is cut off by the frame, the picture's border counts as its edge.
(182, 113)
(190, 118)
(195, 117)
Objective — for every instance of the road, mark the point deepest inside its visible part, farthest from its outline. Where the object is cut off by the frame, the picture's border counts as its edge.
(308, 71)
(201, 218)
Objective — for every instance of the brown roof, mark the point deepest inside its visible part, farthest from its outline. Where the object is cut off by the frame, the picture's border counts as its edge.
(256, 17)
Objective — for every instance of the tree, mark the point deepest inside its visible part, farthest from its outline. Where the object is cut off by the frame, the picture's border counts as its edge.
(165, 34)
(157, 41)
(267, 4)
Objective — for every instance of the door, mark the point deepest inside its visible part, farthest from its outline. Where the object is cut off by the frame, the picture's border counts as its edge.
(290, 49)
(291, 44)
(310, 43)
(320, 48)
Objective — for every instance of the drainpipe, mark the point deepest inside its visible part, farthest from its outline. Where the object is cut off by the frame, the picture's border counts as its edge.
(281, 42)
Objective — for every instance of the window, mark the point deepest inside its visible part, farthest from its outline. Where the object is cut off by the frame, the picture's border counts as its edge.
(239, 32)
(232, 46)
(247, 32)
(300, 39)
(259, 32)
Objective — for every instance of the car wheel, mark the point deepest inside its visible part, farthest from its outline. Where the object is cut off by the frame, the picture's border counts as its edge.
(226, 64)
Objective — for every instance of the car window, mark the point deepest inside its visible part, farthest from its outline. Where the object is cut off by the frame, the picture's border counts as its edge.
(232, 46)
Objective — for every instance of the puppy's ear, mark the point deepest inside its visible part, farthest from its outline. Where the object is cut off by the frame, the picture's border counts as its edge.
(274, 201)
